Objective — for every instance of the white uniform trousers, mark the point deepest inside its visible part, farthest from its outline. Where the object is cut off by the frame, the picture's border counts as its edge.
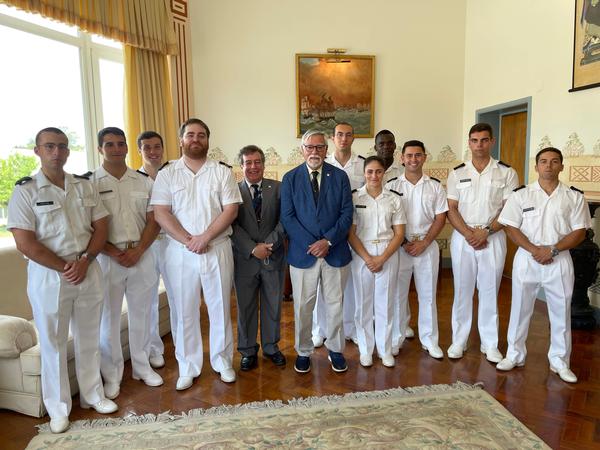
(425, 269)
(212, 273)
(374, 293)
(159, 249)
(55, 302)
(137, 284)
(557, 281)
(304, 285)
(483, 268)
(348, 308)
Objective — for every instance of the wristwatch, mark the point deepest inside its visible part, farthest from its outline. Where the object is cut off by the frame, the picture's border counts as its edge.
(489, 230)
(554, 251)
(87, 256)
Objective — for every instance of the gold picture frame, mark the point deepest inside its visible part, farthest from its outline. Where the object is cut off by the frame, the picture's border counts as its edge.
(586, 45)
(333, 88)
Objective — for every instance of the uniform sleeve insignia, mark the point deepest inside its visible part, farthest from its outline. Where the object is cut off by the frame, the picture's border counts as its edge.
(519, 188)
(225, 164)
(85, 176)
(502, 163)
(142, 173)
(23, 181)
(163, 166)
(576, 190)
(459, 166)
(396, 192)
(391, 179)
(435, 179)
(361, 156)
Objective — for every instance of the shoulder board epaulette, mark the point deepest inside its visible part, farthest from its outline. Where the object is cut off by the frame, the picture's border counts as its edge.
(142, 173)
(164, 165)
(502, 163)
(391, 179)
(85, 176)
(435, 179)
(225, 164)
(576, 190)
(519, 188)
(361, 157)
(354, 190)
(396, 192)
(23, 181)
(459, 166)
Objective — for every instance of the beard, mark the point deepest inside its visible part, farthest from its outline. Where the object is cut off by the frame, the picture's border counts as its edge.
(195, 152)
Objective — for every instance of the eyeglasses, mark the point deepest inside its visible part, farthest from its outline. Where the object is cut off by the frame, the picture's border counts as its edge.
(312, 148)
(50, 146)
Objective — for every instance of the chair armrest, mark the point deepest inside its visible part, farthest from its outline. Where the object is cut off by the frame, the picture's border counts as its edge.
(16, 336)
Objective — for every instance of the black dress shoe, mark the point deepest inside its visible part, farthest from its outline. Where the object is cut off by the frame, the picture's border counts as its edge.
(277, 358)
(248, 362)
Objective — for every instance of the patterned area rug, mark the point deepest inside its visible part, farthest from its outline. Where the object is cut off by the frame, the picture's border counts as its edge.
(460, 416)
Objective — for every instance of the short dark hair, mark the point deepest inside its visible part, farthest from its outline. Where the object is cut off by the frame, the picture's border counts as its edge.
(248, 150)
(413, 143)
(371, 159)
(482, 126)
(343, 123)
(148, 135)
(383, 133)
(108, 130)
(192, 121)
(49, 130)
(546, 150)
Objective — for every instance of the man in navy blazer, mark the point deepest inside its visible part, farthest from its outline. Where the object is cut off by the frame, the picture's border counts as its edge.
(316, 212)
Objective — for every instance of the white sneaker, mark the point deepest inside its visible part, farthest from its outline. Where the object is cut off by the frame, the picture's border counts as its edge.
(112, 390)
(491, 354)
(388, 361)
(565, 374)
(152, 379)
(157, 361)
(434, 351)
(184, 383)
(409, 333)
(59, 424)
(318, 341)
(366, 360)
(104, 406)
(508, 364)
(228, 375)
(455, 351)
(395, 351)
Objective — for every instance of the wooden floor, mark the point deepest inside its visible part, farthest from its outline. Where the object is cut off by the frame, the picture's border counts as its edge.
(565, 416)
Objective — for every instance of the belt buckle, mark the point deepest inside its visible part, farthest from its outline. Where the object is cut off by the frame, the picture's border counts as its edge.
(416, 237)
(375, 241)
(129, 245)
(159, 237)
(479, 227)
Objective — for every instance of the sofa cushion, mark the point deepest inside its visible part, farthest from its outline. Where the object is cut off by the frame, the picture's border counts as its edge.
(16, 336)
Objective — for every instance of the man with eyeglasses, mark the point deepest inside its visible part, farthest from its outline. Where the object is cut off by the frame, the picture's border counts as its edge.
(477, 190)
(259, 259)
(60, 224)
(316, 212)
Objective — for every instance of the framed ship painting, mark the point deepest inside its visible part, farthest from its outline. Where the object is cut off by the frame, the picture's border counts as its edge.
(335, 88)
(586, 45)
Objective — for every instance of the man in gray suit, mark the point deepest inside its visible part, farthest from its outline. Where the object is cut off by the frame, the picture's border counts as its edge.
(259, 259)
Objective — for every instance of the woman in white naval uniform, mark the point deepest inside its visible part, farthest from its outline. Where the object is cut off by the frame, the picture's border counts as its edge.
(545, 219)
(375, 236)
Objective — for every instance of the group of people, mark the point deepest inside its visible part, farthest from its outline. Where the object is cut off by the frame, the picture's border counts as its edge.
(357, 230)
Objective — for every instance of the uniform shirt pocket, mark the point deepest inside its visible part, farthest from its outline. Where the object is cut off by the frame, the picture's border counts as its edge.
(50, 218)
(496, 192)
(465, 191)
(139, 200)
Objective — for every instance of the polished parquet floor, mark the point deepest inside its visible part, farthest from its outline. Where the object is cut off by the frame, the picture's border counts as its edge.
(565, 416)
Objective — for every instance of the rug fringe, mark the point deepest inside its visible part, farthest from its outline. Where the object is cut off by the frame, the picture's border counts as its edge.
(306, 402)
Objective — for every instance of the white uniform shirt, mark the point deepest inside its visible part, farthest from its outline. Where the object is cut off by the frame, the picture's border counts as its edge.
(546, 219)
(196, 200)
(374, 217)
(354, 168)
(394, 171)
(480, 195)
(162, 233)
(127, 200)
(61, 220)
(421, 201)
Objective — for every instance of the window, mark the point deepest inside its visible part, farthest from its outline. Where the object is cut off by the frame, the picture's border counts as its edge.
(54, 75)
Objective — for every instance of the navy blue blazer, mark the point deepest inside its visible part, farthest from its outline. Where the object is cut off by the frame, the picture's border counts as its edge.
(306, 223)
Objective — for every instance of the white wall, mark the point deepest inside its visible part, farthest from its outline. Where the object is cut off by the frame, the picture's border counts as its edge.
(244, 74)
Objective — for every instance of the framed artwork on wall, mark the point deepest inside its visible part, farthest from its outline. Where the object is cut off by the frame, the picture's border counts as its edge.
(586, 45)
(333, 88)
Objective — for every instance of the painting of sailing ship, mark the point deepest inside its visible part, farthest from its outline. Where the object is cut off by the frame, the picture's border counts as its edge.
(586, 45)
(335, 88)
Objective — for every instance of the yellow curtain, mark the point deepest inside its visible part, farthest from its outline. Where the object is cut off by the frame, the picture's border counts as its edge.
(149, 101)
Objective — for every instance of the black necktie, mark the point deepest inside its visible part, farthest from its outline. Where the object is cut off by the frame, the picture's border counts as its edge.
(315, 186)
(257, 200)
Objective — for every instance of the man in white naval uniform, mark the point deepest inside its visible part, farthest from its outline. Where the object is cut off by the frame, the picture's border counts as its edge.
(477, 189)
(385, 146)
(127, 264)
(343, 158)
(150, 147)
(195, 201)
(60, 225)
(425, 199)
(545, 219)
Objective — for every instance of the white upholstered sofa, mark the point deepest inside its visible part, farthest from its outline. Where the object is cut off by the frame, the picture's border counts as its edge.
(20, 365)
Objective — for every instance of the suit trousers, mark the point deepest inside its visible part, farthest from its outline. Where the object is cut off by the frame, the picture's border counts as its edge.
(265, 290)
(56, 303)
(424, 268)
(483, 268)
(557, 281)
(189, 274)
(159, 249)
(304, 284)
(137, 284)
(374, 293)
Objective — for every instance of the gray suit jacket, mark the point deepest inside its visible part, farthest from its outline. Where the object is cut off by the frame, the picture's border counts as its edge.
(247, 232)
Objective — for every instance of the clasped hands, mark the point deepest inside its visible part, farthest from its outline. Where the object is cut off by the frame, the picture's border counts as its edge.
(477, 237)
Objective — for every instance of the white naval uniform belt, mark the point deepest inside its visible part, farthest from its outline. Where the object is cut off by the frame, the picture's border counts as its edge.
(416, 237)
(377, 241)
(126, 245)
(478, 226)
(159, 237)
